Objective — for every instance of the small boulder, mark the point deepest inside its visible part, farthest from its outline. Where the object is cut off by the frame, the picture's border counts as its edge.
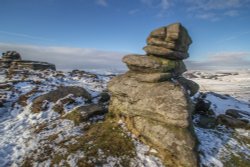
(83, 113)
(59, 93)
(171, 42)
(190, 86)
(232, 122)
(11, 55)
(233, 113)
(1, 103)
(207, 121)
(203, 106)
(104, 97)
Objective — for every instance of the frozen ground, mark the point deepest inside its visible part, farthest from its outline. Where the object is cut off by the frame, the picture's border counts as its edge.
(36, 138)
(24, 134)
(221, 146)
(233, 83)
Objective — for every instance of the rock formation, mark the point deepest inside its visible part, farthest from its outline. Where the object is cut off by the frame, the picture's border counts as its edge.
(152, 98)
(12, 60)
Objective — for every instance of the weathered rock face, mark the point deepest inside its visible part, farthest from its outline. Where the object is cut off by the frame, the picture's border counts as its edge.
(11, 55)
(40, 102)
(151, 64)
(153, 99)
(170, 42)
(12, 60)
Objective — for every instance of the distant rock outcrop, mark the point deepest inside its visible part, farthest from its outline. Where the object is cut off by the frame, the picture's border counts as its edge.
(12, 60)
(153, 98)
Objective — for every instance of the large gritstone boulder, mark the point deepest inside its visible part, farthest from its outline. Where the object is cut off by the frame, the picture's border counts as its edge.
(153, 99)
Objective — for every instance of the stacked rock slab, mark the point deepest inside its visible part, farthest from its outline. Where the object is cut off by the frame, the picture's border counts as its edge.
(152, 98)
(12, 60)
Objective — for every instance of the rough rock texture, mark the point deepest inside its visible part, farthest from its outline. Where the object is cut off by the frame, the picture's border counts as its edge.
(170, 42)
(151, 64)
(152, 98)
(83, 113)
(40, 102)
(11, 55)
(159, 113)
(13, 61)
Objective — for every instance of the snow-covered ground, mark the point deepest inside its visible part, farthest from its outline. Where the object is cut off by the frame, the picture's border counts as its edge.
(221, 146)
(24, 133)
(27, 137)
(233, 83)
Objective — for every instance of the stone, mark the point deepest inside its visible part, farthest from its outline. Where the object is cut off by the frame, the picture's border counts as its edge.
(178, 35)
(151, 77)
(11, 55)
(170, 42)
(150, 64)
(159, 113)
(12, 60)
(206, 121)
(232, 122)
(190, 86)
(156, 42)
(57, 94)
(233, 113)
(202, 106)
(35, 65)
(237, 113)
(104, 97)
(159, 33)
(1, 103)
(83, 113)
(165, 53)
(153, 99)
(6, 86)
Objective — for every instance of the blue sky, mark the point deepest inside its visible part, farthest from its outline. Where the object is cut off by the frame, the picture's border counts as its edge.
(220, 29)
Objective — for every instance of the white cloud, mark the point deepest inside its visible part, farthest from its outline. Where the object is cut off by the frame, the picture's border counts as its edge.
(102, 2)
(69, 58)
(223, 60)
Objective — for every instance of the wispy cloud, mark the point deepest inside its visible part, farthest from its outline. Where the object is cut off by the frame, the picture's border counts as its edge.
(165, 4)
(103, 3)
(213, 10)
(69, 58)
(133, 11)
(232, 13)
(223, 60)
(208, 16)
(24, 35)
(161, 4)
(233, 37)
(216, 9)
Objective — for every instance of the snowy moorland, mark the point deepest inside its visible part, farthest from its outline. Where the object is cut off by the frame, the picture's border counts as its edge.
(223, 91)
(53, 138)
(59, 137)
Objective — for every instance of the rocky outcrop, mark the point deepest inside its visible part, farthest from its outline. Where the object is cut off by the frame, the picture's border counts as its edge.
(13, 61)
(40, 103)
(152, 98)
